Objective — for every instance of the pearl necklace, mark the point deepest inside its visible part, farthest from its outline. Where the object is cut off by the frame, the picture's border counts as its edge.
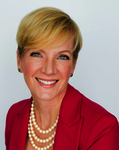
(32, 135)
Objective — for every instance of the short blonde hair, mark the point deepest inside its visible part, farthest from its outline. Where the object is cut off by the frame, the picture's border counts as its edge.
(47, 27)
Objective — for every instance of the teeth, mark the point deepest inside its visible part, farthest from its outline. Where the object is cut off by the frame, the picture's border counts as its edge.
(47, 82)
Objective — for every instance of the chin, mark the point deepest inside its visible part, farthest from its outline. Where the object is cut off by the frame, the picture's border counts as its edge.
(44, 97)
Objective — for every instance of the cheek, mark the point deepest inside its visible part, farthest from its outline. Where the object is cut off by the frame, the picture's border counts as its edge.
(29, 68)
(65, 71)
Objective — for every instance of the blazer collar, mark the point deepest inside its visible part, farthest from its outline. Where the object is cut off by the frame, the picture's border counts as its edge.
(71, 107)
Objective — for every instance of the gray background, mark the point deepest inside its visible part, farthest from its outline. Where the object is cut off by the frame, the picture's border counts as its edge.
(96, 74)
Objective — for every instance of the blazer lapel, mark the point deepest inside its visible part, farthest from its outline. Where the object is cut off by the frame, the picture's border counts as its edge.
(19, 132)
(67, 138)
(70, 123)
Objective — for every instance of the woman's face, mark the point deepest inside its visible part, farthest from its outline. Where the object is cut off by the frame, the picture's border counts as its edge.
(47, 71)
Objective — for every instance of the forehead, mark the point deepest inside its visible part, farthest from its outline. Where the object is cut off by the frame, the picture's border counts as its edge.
(66, 47)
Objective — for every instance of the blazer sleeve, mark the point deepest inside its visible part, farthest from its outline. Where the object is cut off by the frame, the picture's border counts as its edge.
(8, 126)
(104, 134)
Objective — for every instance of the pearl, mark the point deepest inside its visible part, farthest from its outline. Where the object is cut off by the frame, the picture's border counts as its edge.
(48, 146)
(50, 138)
(32, 135)
(34, 121)
(41, 140)
(32, 131)
(38, 140)
(44, 141)
(33, 116)
(36, 147)
(47, 140)
(50, 130)
(38, 128)
(46, 131)
(32, 108)
(32, 112)
(41, 131)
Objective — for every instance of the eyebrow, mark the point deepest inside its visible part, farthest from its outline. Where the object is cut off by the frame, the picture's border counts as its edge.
(66, 51)
(59, 52)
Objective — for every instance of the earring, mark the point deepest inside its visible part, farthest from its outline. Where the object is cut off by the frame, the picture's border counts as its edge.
(18, 70)
(71, 75)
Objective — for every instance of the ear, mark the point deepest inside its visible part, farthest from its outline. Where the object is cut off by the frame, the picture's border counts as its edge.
(74, 66)
(19, 62)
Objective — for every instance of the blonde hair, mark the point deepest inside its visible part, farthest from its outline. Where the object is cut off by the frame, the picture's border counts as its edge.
(47, 27)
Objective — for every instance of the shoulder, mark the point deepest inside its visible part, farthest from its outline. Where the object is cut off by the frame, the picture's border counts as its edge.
(86, 105)
(93, 109)
(21, 103)
(88, 108)
(17, 107)
(95, 112)
(99, 128)
(96, 116)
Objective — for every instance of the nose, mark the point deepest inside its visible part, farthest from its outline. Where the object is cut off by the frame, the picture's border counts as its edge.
(49, 67)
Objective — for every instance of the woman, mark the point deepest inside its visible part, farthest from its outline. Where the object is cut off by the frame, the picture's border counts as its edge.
(57, 116)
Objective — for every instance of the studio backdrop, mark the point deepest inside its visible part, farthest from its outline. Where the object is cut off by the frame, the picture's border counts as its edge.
(97, 71)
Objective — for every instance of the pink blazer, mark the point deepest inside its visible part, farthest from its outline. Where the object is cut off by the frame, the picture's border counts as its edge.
(82, 125)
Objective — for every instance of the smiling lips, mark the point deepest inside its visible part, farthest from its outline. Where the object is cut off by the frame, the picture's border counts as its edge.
(47, 82)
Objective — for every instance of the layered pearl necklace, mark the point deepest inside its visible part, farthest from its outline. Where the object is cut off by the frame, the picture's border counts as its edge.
(32, 135)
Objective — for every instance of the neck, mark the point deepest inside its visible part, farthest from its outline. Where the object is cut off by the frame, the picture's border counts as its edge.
(46, 111)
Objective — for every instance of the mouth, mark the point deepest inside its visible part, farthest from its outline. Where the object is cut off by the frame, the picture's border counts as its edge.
(46, 82)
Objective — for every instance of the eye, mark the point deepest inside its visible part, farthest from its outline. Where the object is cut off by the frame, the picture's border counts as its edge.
(64, 57)
(35, 54)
